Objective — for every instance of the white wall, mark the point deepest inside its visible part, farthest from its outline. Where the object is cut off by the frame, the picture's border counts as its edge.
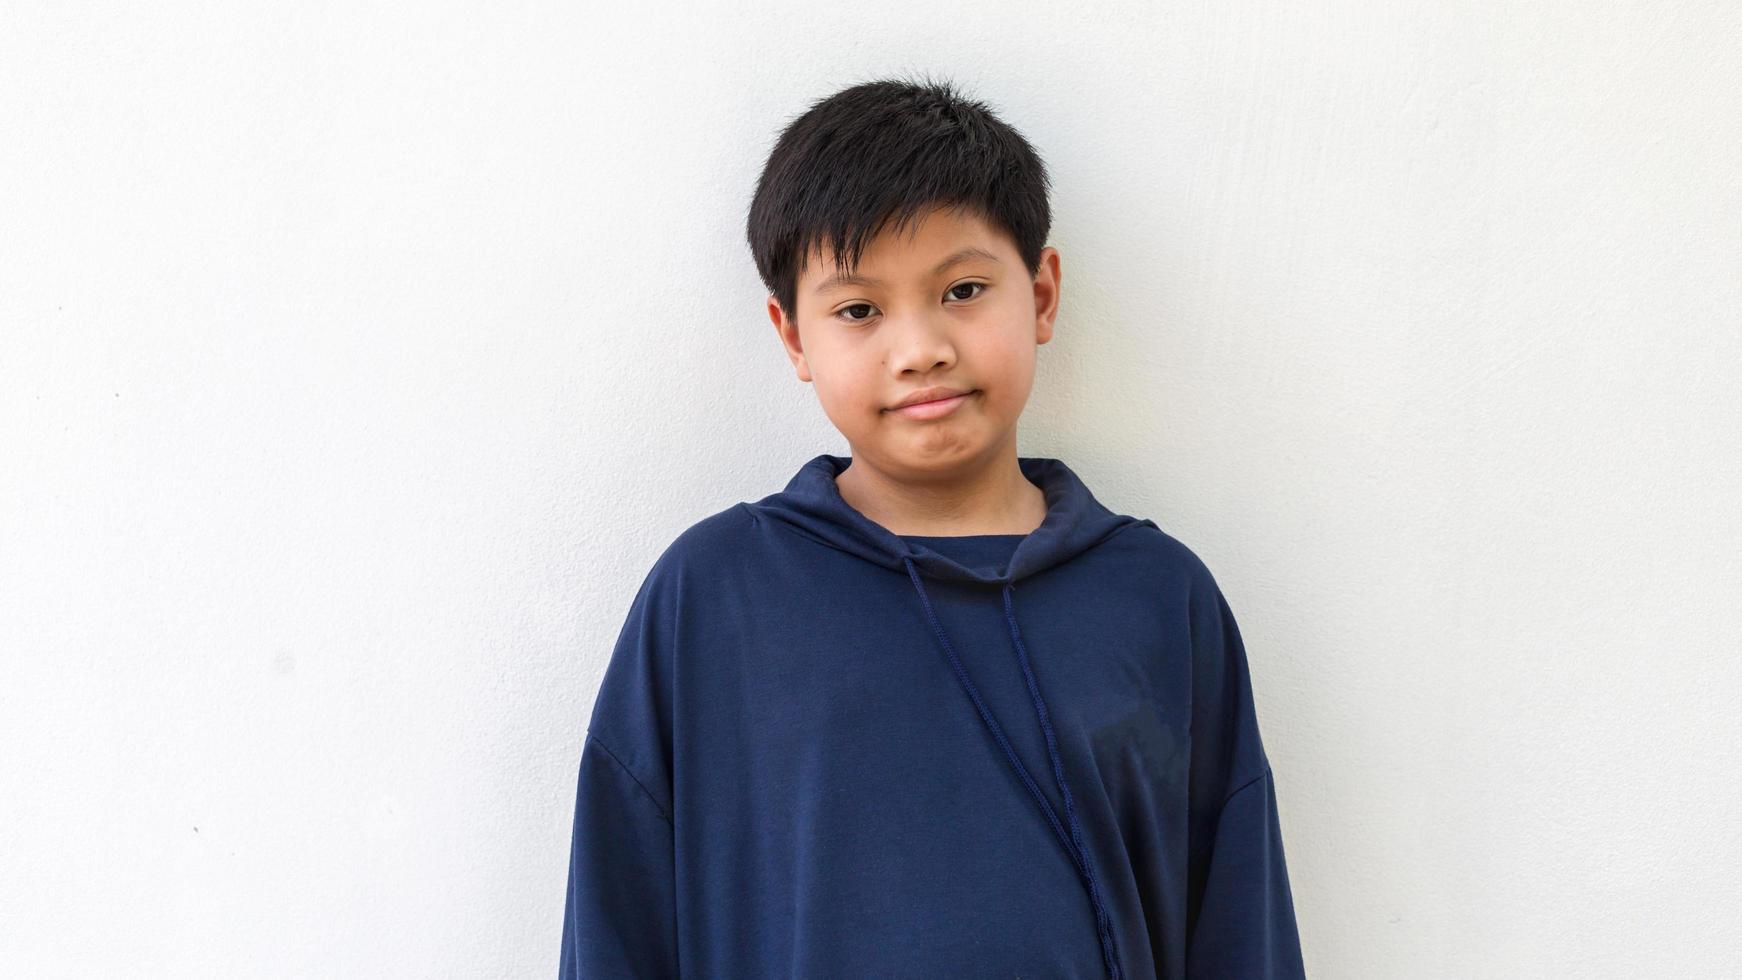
(356, 360)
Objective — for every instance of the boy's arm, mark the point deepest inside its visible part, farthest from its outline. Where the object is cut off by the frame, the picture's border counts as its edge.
(1240, 910)
(620, 917)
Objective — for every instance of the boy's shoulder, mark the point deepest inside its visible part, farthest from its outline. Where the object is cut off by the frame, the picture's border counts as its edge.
(705, 542)
(1165, 555)
(719, 532)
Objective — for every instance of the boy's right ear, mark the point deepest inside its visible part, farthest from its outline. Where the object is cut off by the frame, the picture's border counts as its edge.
(787, 329)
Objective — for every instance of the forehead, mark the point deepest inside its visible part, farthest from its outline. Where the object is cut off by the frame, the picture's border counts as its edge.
(917, 251)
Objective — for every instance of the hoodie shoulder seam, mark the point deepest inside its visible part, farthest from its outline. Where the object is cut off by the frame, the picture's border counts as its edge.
(660, 809)
(1263, 774)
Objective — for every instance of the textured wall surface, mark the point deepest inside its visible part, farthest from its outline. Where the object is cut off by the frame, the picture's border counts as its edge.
(357, 360)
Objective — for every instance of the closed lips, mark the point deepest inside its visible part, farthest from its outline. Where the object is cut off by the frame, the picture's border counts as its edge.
(933, 395)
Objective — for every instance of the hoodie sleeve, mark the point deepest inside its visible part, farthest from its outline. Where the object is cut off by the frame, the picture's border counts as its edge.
(620, 917)
(619, 920)
(1240, 910)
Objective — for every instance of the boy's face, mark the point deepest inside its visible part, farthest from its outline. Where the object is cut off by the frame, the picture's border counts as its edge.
(908, 323)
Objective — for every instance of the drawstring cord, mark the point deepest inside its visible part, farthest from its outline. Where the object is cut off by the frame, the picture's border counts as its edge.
(1074, 844)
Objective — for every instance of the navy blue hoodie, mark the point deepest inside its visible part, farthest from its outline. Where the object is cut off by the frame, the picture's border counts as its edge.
(822, 749)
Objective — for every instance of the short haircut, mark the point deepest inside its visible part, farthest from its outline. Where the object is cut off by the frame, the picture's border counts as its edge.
(890, 149)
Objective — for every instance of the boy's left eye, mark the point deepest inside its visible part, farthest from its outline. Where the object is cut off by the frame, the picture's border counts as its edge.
(966, 285)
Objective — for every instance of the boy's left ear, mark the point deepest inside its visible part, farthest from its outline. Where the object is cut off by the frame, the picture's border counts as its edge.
(1046, 294)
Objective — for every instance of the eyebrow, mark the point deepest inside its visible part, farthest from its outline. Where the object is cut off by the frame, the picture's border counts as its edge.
(854, 279)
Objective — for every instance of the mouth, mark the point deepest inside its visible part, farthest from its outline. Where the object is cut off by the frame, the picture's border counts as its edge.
(937, 408)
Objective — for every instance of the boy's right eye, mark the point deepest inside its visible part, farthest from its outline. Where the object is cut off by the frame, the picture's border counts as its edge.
(854, 306)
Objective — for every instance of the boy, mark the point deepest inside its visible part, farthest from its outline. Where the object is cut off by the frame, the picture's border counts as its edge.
(931, 710)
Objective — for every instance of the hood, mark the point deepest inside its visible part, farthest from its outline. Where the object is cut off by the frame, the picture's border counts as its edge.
(1075, 522)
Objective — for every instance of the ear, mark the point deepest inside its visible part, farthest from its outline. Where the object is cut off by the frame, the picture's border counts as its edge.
(1046, 294)
(787, 329)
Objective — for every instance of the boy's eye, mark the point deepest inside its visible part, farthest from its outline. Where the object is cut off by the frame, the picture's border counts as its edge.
(843, 314)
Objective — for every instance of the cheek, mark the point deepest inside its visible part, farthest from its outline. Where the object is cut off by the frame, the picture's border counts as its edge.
(844, 395)
(1008, 385)
(1005, 364)
(851, 383)
(840, 381)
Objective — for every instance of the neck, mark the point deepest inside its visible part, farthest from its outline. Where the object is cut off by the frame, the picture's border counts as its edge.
(989, 496)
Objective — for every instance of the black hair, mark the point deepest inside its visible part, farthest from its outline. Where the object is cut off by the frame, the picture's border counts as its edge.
(890, 149)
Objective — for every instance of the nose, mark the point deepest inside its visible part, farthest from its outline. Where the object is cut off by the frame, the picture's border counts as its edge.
(920, 343)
